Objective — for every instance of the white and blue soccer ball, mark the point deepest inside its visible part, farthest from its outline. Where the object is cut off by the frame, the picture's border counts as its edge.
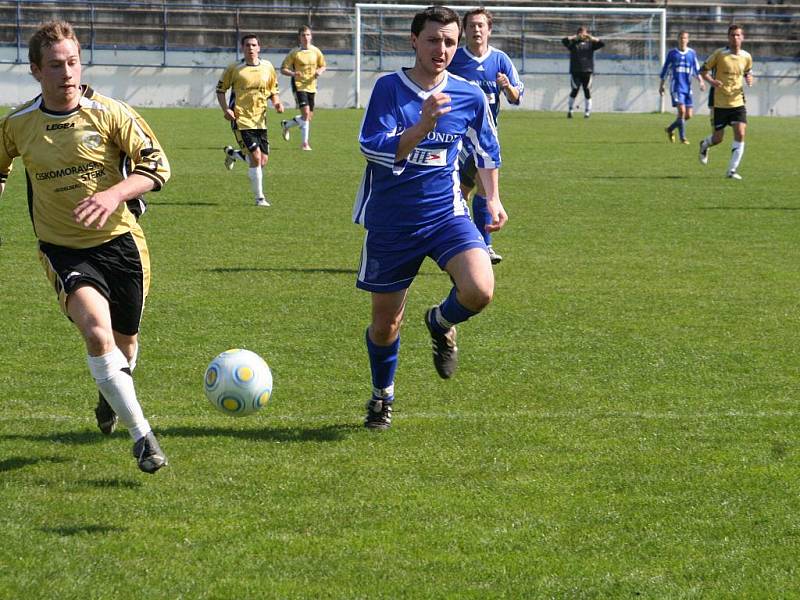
(238, 382)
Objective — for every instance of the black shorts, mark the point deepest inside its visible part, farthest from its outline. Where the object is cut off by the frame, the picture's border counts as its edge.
(722, 117)
(116, 269)
(250, 139)
(581, 80)
(303, 98)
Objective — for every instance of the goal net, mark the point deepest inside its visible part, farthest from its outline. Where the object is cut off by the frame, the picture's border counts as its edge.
(627, 68)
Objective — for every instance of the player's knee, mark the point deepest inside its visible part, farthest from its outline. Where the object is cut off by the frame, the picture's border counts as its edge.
(384, 331)
(477, 297)
(98, 339)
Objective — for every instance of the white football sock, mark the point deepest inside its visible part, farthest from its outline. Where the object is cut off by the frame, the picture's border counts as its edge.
(117, 388)
(588, 106)
(305, 127)
(132, 361)
(571, 103)
(737, 150)
(293, 122)
(256, 181)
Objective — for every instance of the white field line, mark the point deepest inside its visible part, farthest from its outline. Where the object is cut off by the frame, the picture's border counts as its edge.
(267, 420)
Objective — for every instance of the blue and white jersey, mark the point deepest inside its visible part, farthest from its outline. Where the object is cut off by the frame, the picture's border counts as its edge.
(483, 71)
(683, 68)
(424, 187)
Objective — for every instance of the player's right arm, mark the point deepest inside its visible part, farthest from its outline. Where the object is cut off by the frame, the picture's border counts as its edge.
(223, 85)
(664, 70)
(435, 106)
(708, 68)
(287, 66)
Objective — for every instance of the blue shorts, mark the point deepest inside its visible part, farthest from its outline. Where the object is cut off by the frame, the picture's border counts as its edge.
(391, 260)
(684, 98)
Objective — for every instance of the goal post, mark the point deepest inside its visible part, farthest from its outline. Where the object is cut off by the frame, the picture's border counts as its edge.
(635, 49)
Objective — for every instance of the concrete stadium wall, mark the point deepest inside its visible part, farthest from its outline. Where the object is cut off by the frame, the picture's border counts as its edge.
(776, 92)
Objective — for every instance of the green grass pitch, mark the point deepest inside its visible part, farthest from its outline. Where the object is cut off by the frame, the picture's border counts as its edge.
(624, 421)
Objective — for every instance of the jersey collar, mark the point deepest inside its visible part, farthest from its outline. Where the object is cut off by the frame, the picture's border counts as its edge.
(418, 90)
(477, 58)
(87, 93)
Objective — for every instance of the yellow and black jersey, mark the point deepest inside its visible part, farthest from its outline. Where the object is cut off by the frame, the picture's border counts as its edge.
(730, 69)
(305, 61)
(69, 156)
(251, 86)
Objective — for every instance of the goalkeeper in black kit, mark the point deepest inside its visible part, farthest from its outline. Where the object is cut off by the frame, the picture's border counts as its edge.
(582, 47)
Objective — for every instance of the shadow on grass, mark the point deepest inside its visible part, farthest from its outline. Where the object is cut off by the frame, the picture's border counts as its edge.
(119, 484)
(79, 529)
(749, 208)
(637, 177)
(66, 437)
(328, 433)
(281, 269)
(329, 271)
(156, 205)
(12, 464)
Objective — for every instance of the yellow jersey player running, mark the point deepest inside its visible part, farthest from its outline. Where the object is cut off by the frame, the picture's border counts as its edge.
(304, 65)
(85, 156)
(251, 82)
(727, 69)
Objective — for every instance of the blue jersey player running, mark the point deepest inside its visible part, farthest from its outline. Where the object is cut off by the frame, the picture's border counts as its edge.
(682, 66)
(494, 72)
(410, 201)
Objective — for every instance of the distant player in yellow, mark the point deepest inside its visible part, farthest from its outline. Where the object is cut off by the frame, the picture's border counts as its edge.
(304, 65)
(727, 70)
(85, 156)
(251, 82)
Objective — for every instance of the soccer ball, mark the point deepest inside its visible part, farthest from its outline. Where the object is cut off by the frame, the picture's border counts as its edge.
(238, 382)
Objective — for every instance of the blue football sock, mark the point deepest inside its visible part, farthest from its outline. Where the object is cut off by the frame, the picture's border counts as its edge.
(449, 313)
(682, 128)
(673, 125)
(481, 216)
(383, 363)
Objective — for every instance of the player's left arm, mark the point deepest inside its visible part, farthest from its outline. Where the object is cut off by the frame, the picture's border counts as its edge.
(482, 137)
(696, 72)
(321, 64)
(509, 81)
(151, 170)
(275, 93)
(95, 209)
(490, 181)
(748, 73)
(7, 153)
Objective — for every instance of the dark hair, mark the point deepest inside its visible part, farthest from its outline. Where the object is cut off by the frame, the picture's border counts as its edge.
(583, 28)
(478, 11)
(303, 28)
(48, 34)
(733, 27)
(248, 36)
(438, 14)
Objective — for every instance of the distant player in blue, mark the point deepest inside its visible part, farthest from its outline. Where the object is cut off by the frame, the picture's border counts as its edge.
(682, 66)
(410, 201)
(494, 72)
